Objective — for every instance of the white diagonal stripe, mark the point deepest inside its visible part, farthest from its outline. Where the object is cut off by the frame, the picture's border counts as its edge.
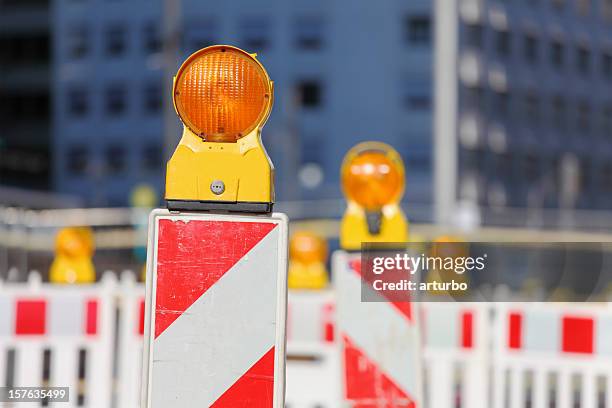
(380, 330)
(218, 338)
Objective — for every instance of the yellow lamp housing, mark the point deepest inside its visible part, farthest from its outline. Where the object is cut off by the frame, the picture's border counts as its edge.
(373, 181)
(223, 96)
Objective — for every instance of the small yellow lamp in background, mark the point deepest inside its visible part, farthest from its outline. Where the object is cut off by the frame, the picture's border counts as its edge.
(74, 248)
(443, 247)
(142, 198)
(373, 181)
(307, 255)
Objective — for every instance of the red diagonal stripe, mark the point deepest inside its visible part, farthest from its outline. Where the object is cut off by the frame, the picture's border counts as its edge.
(255, 389)
(192, 256)
(367, 385)
(578, 335)
(405, 308)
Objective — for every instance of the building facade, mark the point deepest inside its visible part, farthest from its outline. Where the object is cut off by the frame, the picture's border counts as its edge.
(343, 73)
(25, 73)
(526, 118)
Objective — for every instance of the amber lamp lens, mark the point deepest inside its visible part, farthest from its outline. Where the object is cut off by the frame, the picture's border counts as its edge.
(74, 242)
(222, 94)
(307, 247)
(372, 180)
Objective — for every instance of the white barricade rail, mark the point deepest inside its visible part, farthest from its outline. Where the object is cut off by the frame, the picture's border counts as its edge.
(310, 316)
(456, 354)
(379, 343)
(130, 341)
(312, 357)
(59, 336)
(553, 354)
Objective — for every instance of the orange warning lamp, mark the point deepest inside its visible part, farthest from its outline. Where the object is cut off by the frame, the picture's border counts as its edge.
(74, 249)
(373, 181)
(307, 256)
(223, 96)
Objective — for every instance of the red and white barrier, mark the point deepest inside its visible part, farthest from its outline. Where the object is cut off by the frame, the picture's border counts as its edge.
(310, 317)
(549, 354)
(456, 352)
(69, 329)
(216, 311)
(379, 342)
(130, 341)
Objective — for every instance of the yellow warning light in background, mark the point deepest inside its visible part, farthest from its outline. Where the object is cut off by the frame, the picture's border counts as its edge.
(373, 181)
(307, 257)
(223, 96)
(74, 248)
(445, 247)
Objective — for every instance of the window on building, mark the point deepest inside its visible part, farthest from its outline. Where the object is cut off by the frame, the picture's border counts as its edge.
(77, 41)
(502, 43)
(501, 103)
(309, 93)
(606, 10)
(559, 112)
(309, 33)
(531, 47)
(532, 108)
(416, 95)
(115, 158)
(557, 53)
(606, 65)
(152, 39)
(558, 4)
(116, 99)
(418, 30)
(584, 117)
(201, 33)
(583, 7)
(473, 35)
(255, 32)
(77, 101)
(153, 97)
(116, 39)
(583, 59)
(77, 160)
(152, 157)
(474, 98)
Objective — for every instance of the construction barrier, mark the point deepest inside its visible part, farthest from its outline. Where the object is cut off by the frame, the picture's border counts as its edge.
(553, 355)
(59, 336)
(456, 354)
(379, 342)
(310, 317)
(215, 310)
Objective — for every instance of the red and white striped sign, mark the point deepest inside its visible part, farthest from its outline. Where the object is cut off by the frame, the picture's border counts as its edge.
(216, 310)
(379, 343)
(558, 330)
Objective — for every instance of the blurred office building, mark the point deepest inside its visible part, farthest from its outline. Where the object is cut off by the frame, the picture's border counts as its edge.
(515, 112)
(525, 119)
(343, 73)
(25, 72)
